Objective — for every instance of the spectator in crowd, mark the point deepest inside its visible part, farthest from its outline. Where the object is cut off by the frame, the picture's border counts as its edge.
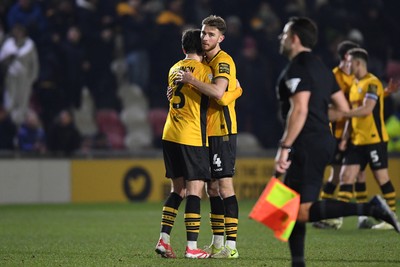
(31, 135)
(8, 131)
(155, 21)
(73, 55)
(234, 36)
(63, 137)
(254, 71)
(102, 82)
(61, 16)
(135, 22)
(30, 14)
(3, 63)
(169, 25)
(21, 73)
(97, 26)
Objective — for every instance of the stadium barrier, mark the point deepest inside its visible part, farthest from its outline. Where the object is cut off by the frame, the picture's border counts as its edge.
(124, 180)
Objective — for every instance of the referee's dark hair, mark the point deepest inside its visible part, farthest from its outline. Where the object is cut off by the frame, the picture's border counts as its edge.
(305, 29)
(344, 47)
(359, 53)
(191, 41)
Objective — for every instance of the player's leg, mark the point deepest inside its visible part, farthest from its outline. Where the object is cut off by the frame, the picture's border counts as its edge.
(231, 215)
(347, 179)
(376, 207)
(329, 187)
(361, 195)
(388, 193)
(173, 162)
(378, 161)
(223, 169)
(169, 213)
(328, 190)
(196, 174)
(217, 218)
(351, 167)
(327, 193)
(194, 189)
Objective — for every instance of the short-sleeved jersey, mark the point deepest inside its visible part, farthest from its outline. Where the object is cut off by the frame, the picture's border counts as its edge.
(344, 81)
(306, 72)
(221, 120)
(187, 117)
(368, 129)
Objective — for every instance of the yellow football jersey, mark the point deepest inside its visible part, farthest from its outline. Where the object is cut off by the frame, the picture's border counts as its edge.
(369, 129)
(187, 117)
(221, 120)
(344, 81)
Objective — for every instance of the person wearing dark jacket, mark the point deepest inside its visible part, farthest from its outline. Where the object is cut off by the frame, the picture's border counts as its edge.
(63, 137)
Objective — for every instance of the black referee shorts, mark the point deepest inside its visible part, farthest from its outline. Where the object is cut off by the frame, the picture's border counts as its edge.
(311, 155)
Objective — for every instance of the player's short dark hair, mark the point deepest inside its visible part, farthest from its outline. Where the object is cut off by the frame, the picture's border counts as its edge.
(215, 21)
(344, 47)
(191, 41)
(306, 29)
(359, 53)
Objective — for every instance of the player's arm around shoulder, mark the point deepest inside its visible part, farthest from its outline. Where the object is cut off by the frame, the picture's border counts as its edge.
(230, 96)
(209, 89)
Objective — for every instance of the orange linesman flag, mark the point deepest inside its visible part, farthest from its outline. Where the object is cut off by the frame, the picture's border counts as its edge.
(277, 208)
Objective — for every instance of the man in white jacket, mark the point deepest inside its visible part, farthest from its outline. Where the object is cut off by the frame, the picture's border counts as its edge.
(19, 53)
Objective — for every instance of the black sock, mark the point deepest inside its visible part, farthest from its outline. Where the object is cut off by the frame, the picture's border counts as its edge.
(192, 217)
(360, 192)
(170, 211)
(345, 192)
(327, 209)
(296, 244)
(217, 217)
(389, 194)
(231, 217)
(328, 190)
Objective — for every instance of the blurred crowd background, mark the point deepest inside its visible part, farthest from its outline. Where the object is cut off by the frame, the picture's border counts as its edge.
(90, 75)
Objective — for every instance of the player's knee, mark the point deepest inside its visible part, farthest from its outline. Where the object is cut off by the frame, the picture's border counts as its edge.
(226, 192)
(304, 212)
(212, 192)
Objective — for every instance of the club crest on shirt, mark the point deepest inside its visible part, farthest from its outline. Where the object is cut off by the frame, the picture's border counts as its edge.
(292, 84)
(224, 68)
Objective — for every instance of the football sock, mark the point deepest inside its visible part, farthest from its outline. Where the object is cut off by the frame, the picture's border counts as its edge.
(296, 244)
(192, 219)
(328, 190)
(231, 218)
(345, 192)
(389, 195)
(360, 192)
(217, 221)
(327, 209)
(169, 212)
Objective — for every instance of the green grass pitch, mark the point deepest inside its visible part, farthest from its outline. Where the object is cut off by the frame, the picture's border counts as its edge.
(125, 235)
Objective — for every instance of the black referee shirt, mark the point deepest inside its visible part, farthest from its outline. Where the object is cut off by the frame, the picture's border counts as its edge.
(306, 72)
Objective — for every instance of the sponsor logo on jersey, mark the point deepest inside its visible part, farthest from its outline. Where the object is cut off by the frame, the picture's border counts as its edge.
(224, 68)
